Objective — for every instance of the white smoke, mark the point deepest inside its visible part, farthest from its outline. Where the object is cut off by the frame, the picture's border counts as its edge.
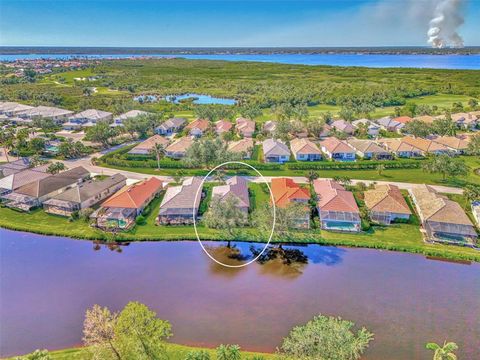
(443, 27)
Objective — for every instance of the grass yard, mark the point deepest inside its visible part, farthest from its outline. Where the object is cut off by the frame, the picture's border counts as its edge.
(175, 352)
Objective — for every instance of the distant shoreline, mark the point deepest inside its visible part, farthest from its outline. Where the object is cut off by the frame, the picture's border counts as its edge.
(65, 50)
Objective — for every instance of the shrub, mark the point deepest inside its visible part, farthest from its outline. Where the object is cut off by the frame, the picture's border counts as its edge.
(140, 220)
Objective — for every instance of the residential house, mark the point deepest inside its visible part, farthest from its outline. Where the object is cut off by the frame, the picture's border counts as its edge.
(85, 195)
(275, 151)
(326, 131)
(305, 150)
(386, 204)
(34, 193)
(467, 121)
(87, 118)
(15, 166)
(269, 127)
(368, 149)
(171, 126)
(372, 128)
(285, 192)
(16, 180)
(178, 148)
(180, 203)
(245, 127)
(427, 119)
(120, 211)
(243, 146)
(132, 114)
(456, 145)
(443, 220)
(145, 147)
(198, 127)
(223, 126)
(400, 148)
(58, 115)
(426, 146)
(337, 150)
(389, 124)
(235, 187)
(11, 109)
(337, 207)
(343, 126)
(403, 119)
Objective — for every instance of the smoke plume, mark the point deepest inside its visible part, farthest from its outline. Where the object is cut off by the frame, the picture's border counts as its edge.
(447, 17)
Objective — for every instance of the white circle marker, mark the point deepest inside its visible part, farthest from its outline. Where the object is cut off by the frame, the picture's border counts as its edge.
(195, 222)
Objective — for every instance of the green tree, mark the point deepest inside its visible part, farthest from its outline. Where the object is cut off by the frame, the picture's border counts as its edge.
(140, 334)
(37, 145)
(473, 103)
(250, 111)
(311, 176)
(283, 129)
(418, 128)
(474, 145)
(471, 193)
(445, 352)
(6, 141)
(46, 125)
(55, 168)
(159, 151)
(198, 355)
(446, 166)
(207, 152)
(444, 126)
(101, 133)
(228, 352)
(36, 355)
(380, 168)
(224, 214)
(325, 338)
(72, 150)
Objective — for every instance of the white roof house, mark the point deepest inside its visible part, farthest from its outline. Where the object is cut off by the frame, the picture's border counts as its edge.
(87, 118)
(118, 121)
(47, 112)
(12, 108)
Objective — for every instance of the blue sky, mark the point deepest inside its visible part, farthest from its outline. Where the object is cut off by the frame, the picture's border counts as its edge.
(224, 23)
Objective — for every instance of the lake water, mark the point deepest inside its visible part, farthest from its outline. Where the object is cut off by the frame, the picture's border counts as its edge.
(366, 60)
(200, 99)
(47, 283)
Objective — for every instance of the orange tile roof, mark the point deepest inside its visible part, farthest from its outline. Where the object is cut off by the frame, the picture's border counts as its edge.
(286, 190)
(201, 124)
(403, 119)
(134, 196)
(333, 197)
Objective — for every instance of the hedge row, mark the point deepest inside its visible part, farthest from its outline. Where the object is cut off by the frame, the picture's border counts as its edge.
(370, 165)
(164, 163)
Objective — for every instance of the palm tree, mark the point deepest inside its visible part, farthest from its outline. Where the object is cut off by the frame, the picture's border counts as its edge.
(444, 352)
(380, 168)
(159, 151)
(471, 193)
(311, 176)
(55, 168)
(6, 141)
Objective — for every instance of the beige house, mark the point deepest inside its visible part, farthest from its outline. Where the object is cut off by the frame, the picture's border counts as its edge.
(178, 148)
(386, 204)
(400, 148)
(368, 149)
(223, 126)
(457, 145)
(245, 127)
(243, 146)
(305, 150)
(145, 147)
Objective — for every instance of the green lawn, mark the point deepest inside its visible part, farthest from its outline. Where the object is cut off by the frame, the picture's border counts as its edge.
(175, 352)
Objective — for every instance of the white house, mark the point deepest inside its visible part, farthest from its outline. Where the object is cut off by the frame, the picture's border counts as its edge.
(275, 151)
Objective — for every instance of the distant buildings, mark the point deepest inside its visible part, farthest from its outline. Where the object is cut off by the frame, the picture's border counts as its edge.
(132, 114)
(245, 127)
(343, 126)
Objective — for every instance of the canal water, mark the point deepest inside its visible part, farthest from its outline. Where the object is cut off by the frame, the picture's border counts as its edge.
(47, 283)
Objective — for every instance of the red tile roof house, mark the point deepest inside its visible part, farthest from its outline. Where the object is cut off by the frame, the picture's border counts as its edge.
(120, 211)
(386, 204)
(245, 127)
(275, 151)
(286, 191)
(198, 127)
(223, 126)
(403, 119)
(305, 150)
(180, 202)
(337, 207)
(337, 150)
(34, 193)
(343, 126)
(236, 187)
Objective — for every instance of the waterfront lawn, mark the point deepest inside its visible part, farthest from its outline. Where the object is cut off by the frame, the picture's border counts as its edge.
(175, 352)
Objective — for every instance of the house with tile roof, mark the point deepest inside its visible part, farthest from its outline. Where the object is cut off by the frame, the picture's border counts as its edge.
(427, 119)
(11, 109)
(85, 195)
(245, 127)
(456, 144)
(46, 112)
(120, 210)
(285, 192)
(337, 150)
(373, 129)
(269, 127)
(468, 121)
(343, 126)
(305, 150)
(403, 119)
(389, 124)
(16, 180)
(426, 146)
(146, 146)
(198, 127)
(35, 193)
(235, 187)
(132, 114)
(443, 220)
(326, 131)
(275, 151)
(171, 126)
(86, 118)
(15, 166)
(400, 148)
(336, 206)
(223, 126)
(368, 149)
(243, 146)
(181, 202)
(179, 147)
(386, 204)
